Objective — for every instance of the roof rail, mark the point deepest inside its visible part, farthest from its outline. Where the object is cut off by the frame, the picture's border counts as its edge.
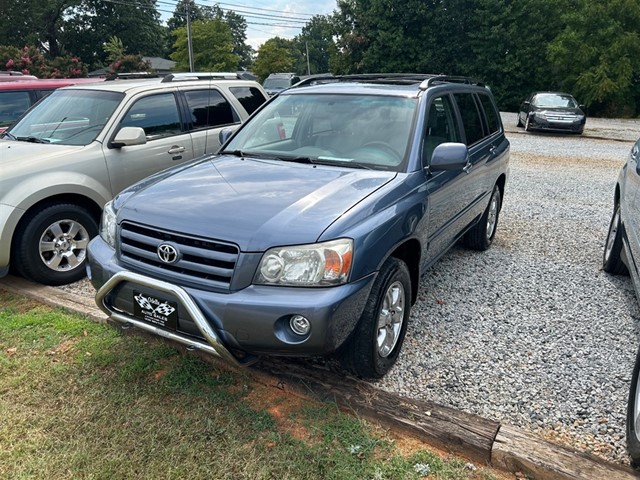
(449, 79)
(425, 79)
(185, 76)
(133, 75)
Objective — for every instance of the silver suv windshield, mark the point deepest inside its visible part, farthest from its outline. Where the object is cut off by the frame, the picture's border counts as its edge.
(366, 131)
(67, 117)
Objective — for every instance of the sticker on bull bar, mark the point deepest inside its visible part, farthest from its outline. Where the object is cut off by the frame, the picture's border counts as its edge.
(157, 311)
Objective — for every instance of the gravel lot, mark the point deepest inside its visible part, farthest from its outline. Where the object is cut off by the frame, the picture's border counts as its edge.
(532, 333)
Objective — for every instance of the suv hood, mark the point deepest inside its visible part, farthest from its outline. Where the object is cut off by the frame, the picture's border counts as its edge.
(13, 152)
(254, 203)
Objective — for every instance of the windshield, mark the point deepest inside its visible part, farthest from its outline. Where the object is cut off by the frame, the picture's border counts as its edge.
(276, 83)
(67, 117)
(553, 100)
(365, 131)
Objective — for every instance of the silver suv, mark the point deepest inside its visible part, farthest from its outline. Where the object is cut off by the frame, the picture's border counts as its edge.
(71, 153)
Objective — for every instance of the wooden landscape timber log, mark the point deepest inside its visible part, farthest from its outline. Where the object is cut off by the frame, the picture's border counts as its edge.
(517, 451)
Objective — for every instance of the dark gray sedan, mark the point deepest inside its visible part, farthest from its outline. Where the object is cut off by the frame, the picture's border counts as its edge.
(554, 111)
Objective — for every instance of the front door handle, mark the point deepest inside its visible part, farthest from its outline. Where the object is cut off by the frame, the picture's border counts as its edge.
(176, 149)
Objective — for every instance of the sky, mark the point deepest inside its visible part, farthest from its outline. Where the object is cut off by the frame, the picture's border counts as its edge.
(265, 18)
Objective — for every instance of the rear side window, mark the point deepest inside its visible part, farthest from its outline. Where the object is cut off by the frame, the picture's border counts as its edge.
(209, 108)
(249, 97)
(491, 114)
(12, 105)
(471, 119)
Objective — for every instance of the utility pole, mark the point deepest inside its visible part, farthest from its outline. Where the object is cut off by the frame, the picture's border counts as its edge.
(189, 45)
(306, 45)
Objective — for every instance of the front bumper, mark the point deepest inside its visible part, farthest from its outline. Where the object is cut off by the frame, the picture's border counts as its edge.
(236, 326)
(540, 123)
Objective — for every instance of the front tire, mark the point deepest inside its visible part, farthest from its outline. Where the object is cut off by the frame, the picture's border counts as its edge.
(481, 234)
(51, 244)
(519, 122)
(612, 256)
(527, 128)
(375, 344)
(633, 416)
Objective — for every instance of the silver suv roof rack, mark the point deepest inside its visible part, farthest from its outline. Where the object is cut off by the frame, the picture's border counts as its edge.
(185, 76)
(426, 80)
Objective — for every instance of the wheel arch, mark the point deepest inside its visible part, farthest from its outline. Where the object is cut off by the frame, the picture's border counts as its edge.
(76, 199)
(409, 253)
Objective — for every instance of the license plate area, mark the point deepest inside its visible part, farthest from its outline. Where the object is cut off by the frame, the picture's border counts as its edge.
(155, 310)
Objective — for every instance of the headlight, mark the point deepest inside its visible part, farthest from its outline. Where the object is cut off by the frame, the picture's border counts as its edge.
(317, 265)
(108, 225)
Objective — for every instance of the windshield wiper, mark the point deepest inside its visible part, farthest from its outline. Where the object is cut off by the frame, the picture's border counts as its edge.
(10, 136)
(236, 153)
(32, 139)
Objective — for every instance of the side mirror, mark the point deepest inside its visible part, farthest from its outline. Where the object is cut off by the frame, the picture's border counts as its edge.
(449, 156)
(526, 103)
(225, 134)
(128, 136)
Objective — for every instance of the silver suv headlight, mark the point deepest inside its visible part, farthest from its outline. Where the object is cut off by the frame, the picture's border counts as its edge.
(108, 225)
(316, 265)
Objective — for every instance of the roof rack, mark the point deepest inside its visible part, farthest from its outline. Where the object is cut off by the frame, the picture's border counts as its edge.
(184, 76)
(426, 80)
(133, 75)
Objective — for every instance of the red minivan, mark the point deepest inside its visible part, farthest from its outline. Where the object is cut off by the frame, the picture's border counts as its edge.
(16, 97)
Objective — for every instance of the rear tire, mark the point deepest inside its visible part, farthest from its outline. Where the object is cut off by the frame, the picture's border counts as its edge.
(50, 246)
(481, 235)
(612, 256)
(375, 344)
(633, 426)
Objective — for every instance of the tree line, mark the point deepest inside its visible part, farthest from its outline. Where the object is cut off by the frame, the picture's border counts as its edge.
(590, 48)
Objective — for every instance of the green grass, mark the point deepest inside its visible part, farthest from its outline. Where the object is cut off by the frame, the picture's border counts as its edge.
(79, 400)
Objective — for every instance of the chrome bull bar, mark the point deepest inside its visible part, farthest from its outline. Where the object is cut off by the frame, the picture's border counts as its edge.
(213, 346)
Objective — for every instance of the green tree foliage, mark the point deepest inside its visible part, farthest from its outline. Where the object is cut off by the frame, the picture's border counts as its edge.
(276, 55)
(597, 54)
(508, 47)
(91, 24)
(236, 23)
(316, 38)
(120, 61)
(212, 42)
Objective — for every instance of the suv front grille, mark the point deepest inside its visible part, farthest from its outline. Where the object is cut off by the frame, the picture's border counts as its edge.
(201, 262)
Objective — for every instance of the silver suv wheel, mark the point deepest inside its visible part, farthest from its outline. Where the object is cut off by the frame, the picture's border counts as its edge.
(63, 245)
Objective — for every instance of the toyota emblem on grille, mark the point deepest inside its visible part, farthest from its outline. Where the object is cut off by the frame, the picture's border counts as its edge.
(167, 253)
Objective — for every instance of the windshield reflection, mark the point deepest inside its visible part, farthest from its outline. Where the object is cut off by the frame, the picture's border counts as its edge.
(365, 131)
(67, 117)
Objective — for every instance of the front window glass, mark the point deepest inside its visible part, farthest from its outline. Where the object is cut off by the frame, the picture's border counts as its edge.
(441, 127)
(67, 117)
(157, 115)
(366, 131)
(12, 105)
(553, 100)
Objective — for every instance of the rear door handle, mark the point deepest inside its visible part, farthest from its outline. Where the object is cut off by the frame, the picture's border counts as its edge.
(176, 149)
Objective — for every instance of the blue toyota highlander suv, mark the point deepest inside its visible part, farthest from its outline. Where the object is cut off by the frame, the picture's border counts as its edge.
(308, 233)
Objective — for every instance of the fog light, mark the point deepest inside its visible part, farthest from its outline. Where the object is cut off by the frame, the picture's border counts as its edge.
(300, 325)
